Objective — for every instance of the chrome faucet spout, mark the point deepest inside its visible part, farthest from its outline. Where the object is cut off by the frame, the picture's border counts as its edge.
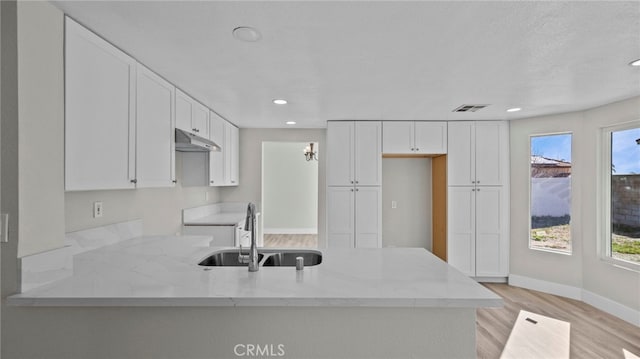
(250, 225)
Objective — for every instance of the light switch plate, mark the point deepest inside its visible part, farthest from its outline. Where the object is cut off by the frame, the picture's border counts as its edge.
(394, 204)
(4, 227)
(97, 209)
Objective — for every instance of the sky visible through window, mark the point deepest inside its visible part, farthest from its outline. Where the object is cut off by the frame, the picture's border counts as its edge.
(625, 152)
(556, 147)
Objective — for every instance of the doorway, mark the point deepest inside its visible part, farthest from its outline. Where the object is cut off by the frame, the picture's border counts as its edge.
(290, 194)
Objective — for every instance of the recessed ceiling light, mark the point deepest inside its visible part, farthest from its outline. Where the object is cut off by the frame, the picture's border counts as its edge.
(247, 33)
(635, 63)
(291, 122)
(514, 109)
(280, 101)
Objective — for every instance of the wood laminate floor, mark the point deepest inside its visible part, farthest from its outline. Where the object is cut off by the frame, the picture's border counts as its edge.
(291, 240)
(594, 333)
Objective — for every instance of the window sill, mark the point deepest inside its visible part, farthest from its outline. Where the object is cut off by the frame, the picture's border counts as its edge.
(550, 250)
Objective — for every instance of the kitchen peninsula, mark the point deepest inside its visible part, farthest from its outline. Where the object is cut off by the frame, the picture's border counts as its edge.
(391, 302)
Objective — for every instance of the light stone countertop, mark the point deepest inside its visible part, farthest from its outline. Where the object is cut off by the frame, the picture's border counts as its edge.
(163, 271)
(218, 219)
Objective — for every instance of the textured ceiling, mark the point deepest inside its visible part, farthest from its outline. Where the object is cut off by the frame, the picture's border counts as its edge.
(380, 60)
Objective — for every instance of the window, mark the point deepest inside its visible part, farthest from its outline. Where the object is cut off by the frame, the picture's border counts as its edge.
(622, 193)
(550, 193)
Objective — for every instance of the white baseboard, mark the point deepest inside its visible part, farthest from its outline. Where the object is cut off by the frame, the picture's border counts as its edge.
(290, 230)
(605, 304)
(614, 308)
(490, 279)
(562, 290)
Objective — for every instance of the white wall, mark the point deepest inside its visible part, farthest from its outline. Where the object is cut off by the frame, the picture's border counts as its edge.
(250, 188)
(290, 189)
(583, 269)
(159, 208)
(408, 182)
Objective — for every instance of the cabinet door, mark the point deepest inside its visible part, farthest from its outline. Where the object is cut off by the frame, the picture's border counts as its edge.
(234, 165)
(368, 153)
(155, 151)
(430, 137)
(491, 153)
(461, 157)
(397, 137)
(491, 232)
(216, 158)
(99, 113)
(461, 229)
(368, 217)
(183, 111)
(340, 159)
(340, 217)
(200, 119)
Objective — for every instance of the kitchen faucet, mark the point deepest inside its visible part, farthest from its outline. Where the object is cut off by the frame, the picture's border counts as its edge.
(250, 225)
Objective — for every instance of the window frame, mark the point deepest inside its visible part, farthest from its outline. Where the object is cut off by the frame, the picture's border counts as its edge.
(604, 222)
(571, 223)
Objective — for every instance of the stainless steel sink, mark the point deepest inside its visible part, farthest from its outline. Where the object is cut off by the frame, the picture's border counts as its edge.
(266, 258)
(288, 259)
(228, 258)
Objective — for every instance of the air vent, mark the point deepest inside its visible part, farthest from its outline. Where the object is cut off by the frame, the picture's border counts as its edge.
(469, 108)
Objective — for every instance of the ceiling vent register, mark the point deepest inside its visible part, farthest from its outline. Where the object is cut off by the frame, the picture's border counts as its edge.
(469, 108)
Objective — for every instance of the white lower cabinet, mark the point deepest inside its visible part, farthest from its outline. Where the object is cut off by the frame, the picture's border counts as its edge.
(354, 217)
(478, 230)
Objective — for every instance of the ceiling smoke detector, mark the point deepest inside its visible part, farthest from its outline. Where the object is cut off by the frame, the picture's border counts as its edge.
(469, 108)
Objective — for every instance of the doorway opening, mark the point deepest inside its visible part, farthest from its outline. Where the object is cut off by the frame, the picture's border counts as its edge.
(290, 194)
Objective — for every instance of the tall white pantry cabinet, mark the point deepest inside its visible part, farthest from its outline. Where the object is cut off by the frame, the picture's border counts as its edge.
(354, 179)
(478, 198)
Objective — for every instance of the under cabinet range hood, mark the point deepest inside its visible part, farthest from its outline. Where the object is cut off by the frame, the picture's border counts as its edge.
(189, 142)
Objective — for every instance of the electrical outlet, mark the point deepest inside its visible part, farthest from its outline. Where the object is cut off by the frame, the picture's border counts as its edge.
(206, 196)
(394, 204)
(97, 209)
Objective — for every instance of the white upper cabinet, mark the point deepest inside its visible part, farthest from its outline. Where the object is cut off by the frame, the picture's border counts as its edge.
(155, 154)
(354, 152)
(99, 113)
(340, 157)
(200, 119)
(397, 137)
(430, 137)
(478, 153)
(233, 164)
(492, 153)
(191, 116)
(216, 158)
(414, 137)
(368, 153)
(222, 167)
